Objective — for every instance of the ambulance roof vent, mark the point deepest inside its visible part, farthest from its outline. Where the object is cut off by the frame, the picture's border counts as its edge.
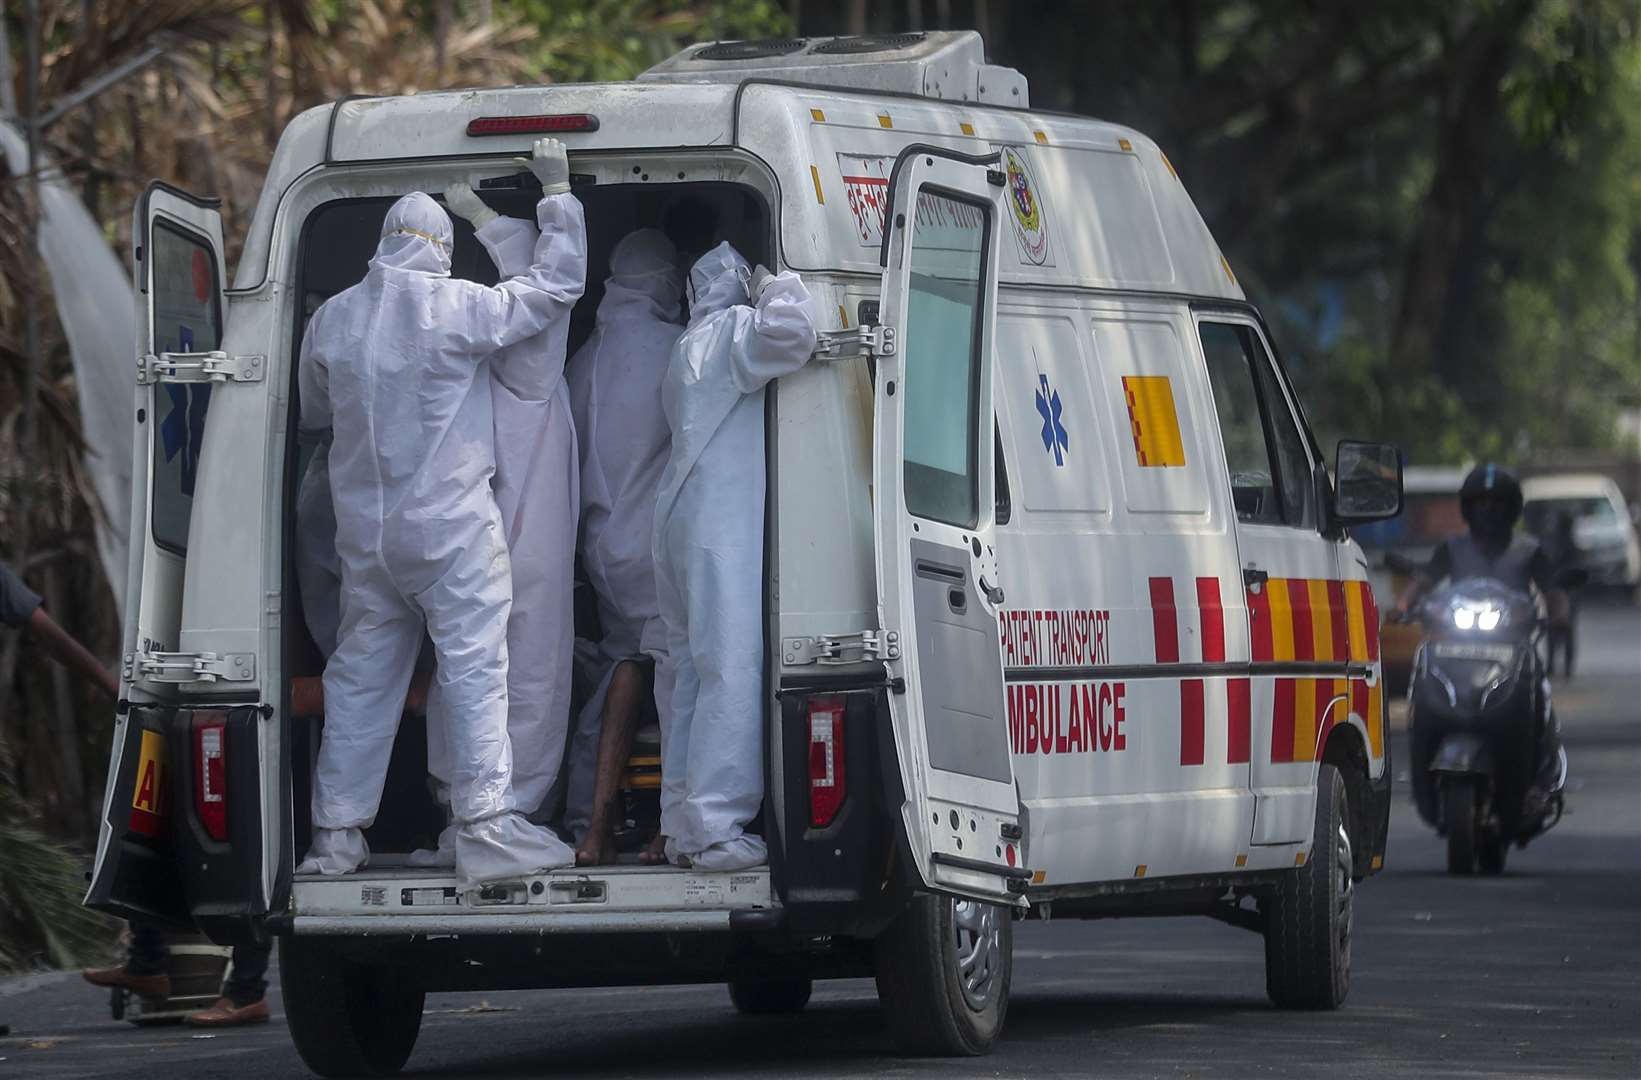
(750, 50)
(866, 43)
(946, 64)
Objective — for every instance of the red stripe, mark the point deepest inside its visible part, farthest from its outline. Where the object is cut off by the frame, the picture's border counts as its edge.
(1164, 620)
(1191, 725)
(1370, 615)
(1341, 620)
(1259, 619)
(1304, 637)
(1326, 710)
(1238, 733)
(143, 822)
(1359, 699)
(1282, 722)
(1213, 620)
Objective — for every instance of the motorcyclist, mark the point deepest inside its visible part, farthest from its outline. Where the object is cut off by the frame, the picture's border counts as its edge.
(1490, 502)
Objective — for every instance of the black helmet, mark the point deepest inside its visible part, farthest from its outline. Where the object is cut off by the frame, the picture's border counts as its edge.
(1500, 486)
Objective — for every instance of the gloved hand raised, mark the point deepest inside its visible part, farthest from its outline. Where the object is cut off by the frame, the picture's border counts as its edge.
(462, 201)
(760, 277)
(551, 165)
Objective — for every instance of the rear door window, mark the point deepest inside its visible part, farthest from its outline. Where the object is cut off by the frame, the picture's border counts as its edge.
(187, 319)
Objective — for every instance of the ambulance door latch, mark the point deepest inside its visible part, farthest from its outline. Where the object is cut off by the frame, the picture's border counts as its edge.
(167, 667)
(199, 367)
(837, 649)
(867, 341)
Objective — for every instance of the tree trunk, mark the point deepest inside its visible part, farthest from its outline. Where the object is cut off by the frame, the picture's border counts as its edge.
(70, 786)
(1472, 105)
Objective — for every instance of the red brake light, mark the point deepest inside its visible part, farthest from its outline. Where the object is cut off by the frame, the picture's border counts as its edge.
(211, 773)
(532, 125)
(827, 784)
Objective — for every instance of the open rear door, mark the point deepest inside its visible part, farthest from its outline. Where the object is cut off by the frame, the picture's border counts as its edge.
(177, 241)
(933, 474)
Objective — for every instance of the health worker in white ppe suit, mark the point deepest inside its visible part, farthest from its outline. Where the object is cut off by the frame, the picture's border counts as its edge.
(537, 492)
(394, 367)
(615, 394)
(709, 528)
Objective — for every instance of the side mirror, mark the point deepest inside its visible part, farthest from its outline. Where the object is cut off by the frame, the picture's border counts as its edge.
(1367, 482)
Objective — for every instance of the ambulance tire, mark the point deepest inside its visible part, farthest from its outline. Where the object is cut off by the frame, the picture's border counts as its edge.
(347, 1019)
(941, 995)
(771, 996)
(1308, 919)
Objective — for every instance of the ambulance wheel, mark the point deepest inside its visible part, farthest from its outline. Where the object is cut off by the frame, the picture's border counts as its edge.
(770, 996)
(346, 1019)
(1308, 919)
(943, 974)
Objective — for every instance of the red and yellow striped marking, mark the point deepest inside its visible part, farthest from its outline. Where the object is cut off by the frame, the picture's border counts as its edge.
(1317, 619)
(1153, 421)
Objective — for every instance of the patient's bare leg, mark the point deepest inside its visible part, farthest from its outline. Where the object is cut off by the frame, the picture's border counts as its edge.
(623, 705)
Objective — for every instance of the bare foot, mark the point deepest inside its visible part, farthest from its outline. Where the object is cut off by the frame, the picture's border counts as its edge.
(598, 849)
(656, 853)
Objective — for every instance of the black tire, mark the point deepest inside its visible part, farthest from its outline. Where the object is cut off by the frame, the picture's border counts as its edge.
(1459, 819)
(347, 1019)
(770, 996)
(1308, 920)
(1491, 855)
(943, 973)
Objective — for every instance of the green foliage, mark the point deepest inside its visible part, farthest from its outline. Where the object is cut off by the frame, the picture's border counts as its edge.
(609, 40)
(41, 883)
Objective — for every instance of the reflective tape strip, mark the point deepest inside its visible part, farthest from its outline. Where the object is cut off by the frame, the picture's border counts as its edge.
(1164, 620)
(1282, 720)
(1304, 634)
(1238, 721)
(1192, 722)
(1357, 620)
(1305, 705)
(1281, 619)
(1213, 620)
(1259, 620)
(1340, 624)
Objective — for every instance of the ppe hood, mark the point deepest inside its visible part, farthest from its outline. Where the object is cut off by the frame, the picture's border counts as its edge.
(416, 237)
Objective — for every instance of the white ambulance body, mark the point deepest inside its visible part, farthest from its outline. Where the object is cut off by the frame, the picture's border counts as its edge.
(1061, 612)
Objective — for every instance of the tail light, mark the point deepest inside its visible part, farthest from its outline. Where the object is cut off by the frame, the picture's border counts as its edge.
(828, 786)
(211, 773)
(532, 125)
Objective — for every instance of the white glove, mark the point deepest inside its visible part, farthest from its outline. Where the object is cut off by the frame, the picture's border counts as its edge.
(464, 202)
(551, 165)
(760, 277)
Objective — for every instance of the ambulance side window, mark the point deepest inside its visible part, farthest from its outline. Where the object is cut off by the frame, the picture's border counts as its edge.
(187, 320)
(942, 373)
(1270, 472)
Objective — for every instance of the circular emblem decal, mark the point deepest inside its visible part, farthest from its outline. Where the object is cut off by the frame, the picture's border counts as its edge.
(1028, 211)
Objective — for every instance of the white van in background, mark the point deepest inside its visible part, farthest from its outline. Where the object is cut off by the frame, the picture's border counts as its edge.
(1603, 533)
(1062, 612)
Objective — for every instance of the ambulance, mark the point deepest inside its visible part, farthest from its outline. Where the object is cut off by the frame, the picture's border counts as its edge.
(1063, 617)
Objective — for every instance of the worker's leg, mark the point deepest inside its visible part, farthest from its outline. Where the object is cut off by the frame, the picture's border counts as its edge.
(623, 706)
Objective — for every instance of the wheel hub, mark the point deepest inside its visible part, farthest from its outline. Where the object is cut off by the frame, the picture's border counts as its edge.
(977, 952)
(1344, 869)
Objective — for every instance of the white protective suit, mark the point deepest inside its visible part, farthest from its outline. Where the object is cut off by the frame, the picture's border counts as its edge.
(709, 530)
(615, 394)
(393, 366)
(318, 569)
(537, 491)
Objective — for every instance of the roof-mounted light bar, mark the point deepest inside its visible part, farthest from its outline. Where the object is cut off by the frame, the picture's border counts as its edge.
(532, 125)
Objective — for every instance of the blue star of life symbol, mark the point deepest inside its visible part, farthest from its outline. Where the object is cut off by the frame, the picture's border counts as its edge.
(1055, 439)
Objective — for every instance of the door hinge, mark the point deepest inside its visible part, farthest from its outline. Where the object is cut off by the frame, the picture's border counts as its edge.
(175, 667)
(867, 341)
(836, 649)
(199, 367)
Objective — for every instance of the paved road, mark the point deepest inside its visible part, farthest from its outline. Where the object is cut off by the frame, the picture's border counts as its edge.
(1535, 974)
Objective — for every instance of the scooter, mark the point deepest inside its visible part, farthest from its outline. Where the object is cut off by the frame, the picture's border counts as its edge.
(1488, 766)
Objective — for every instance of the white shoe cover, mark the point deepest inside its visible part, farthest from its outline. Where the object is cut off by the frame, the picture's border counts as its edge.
(442, 856)
(506, 846)
(335, 851)
(741, 853)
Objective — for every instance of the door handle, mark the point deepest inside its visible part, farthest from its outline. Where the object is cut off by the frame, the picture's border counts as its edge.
(994, 593)
(1252, 576)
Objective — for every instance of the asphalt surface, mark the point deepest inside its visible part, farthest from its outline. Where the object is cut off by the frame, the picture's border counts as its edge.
(1533, 974)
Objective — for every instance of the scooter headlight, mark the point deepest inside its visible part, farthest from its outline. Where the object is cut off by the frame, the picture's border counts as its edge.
(1480, 615)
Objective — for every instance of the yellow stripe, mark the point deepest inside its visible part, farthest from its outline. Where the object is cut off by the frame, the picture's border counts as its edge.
(1304, 719)
(815, 175)
(967, 128)
(1375, 720)
(817, 116)
(1155, 423)
(1281, 619)
(843, 316)
(1041, 137)
(1321, 620)
(1356, 620)
(884, 121)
